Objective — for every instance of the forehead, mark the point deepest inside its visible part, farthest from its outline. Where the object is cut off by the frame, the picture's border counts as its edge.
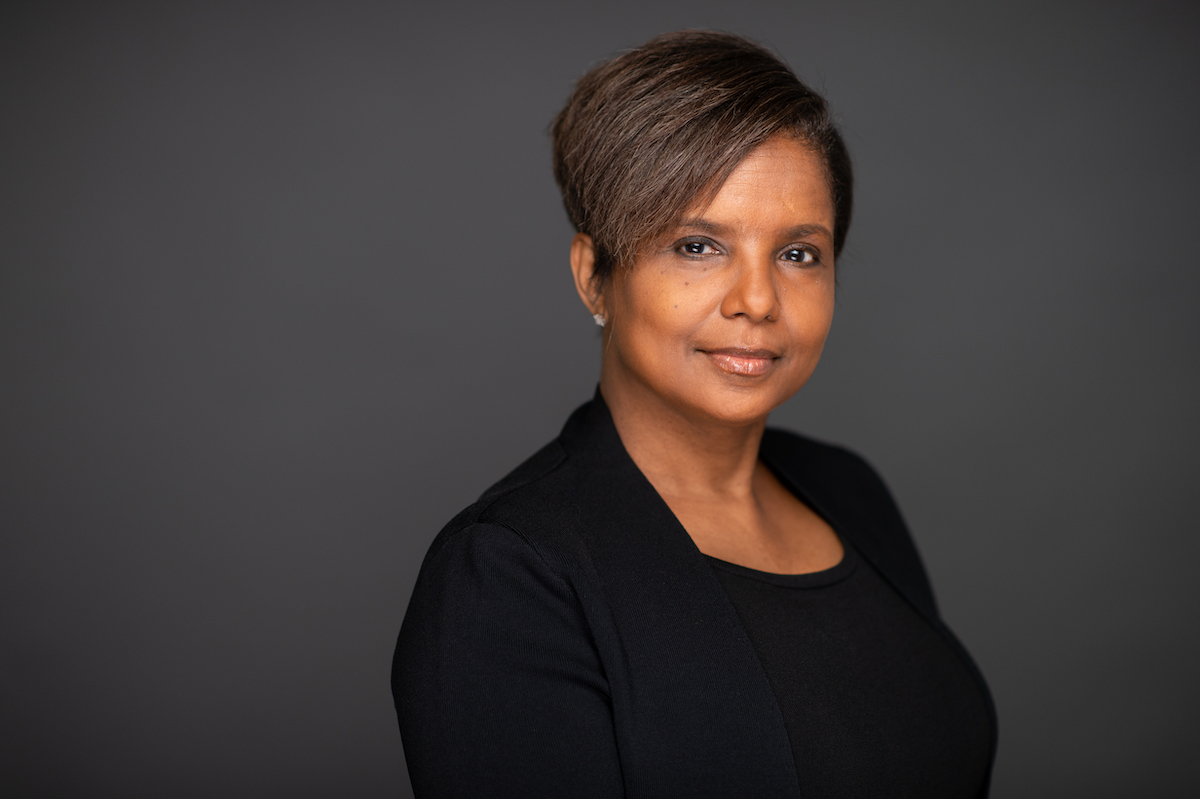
(782, 180)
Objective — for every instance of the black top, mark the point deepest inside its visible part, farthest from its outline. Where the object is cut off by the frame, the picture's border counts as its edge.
(874, 701)
(566, 638)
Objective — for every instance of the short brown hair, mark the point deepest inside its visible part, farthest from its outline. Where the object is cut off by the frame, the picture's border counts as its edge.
(647, 134)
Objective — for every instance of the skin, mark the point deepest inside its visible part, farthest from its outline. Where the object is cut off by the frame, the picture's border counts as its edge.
(714, 326)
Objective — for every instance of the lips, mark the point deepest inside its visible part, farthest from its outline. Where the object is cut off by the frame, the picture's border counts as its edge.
(739, 361)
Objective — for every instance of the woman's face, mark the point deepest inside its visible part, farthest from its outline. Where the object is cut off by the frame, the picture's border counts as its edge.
(725, 317)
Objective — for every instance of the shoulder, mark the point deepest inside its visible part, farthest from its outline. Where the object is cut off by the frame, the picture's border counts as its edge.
(512, 512)
(496, 638)
(489, 572)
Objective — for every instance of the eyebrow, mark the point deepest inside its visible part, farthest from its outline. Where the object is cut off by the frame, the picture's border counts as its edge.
(797, 232)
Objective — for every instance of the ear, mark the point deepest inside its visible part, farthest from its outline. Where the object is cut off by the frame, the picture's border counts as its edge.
(583, 265)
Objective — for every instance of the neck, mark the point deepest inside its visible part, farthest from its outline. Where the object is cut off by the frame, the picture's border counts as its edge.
(681, 454)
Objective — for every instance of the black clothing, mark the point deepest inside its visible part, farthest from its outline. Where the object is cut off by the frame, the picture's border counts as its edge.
(874, 701)
(566, 638)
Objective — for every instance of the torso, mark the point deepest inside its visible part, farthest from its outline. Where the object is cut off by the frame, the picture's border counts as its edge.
(876, 703)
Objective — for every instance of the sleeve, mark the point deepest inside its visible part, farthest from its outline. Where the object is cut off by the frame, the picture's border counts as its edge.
(498, 686)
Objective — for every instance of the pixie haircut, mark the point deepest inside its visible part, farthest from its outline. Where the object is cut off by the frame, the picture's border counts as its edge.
(658, 129)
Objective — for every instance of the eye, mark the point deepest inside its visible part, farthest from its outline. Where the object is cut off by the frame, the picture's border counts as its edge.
(800, 255)
(696, 247)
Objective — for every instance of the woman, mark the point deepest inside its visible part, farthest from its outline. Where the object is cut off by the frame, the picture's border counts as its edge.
(670, 599)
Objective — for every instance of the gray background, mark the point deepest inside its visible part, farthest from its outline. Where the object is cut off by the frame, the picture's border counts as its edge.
(284, 286)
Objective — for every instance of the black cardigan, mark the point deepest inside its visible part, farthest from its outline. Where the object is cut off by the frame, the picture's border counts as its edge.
(566, 638)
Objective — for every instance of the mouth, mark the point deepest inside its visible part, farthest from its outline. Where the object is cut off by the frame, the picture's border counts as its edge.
(740, 361)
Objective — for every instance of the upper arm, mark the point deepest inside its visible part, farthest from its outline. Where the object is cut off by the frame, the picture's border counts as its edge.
(498, 686)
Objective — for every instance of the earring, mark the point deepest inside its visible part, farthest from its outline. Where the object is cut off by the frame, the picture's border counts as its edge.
(599, 317)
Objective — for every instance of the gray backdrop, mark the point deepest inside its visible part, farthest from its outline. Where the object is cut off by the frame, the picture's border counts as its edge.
(284, 286)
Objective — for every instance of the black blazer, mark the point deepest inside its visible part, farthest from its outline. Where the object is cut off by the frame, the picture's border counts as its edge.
(566, 638)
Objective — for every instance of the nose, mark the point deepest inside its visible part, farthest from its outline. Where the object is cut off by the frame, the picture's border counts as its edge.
(753, 293)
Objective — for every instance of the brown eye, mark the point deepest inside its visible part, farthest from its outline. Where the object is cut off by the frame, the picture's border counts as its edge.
(799, 255)
(696, 247)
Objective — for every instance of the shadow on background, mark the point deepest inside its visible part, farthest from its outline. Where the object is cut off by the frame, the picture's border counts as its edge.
(284, 286)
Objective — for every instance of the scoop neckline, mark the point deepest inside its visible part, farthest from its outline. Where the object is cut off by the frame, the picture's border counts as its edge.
(836, 573)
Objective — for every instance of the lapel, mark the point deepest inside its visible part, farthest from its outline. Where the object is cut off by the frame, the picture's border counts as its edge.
(695, 714)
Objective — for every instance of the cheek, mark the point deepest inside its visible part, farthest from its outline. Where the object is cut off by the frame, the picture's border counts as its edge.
(666, 310)
(822, 318)
(812, 321)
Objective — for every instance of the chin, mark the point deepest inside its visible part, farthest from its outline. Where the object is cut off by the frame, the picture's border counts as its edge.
(741, 406)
